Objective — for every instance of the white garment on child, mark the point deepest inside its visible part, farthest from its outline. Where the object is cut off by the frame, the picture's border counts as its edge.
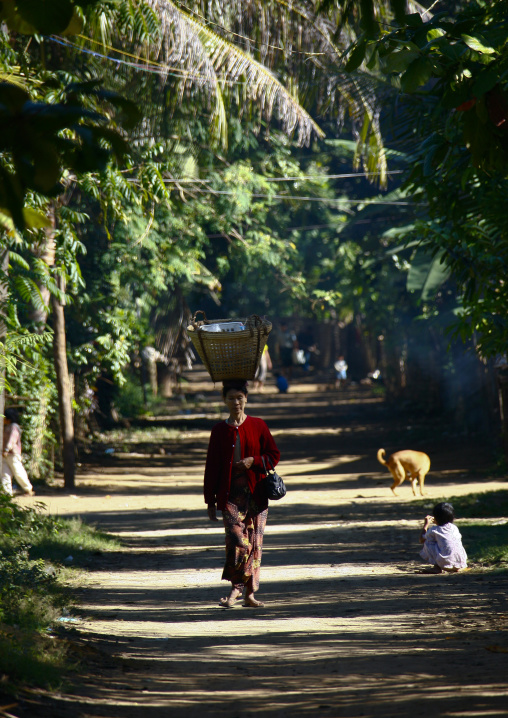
(443, 546)
(12, 466)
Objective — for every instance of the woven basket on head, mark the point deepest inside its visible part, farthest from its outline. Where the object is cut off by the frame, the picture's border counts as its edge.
(230, 354)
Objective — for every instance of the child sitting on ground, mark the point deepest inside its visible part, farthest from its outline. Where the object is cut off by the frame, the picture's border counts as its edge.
(442, 544)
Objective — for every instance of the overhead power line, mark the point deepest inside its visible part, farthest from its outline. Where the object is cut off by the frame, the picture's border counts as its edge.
(318, 177)
(173, 180)
(249, 40)
(150, 66)
(297, 197)
(290, 197)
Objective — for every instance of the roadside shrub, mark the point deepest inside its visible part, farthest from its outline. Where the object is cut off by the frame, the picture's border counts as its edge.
(44, 536)
(32, 595)
(20, 524)
(34, 384)
(30, 658)
(129, 399)
(28, 591)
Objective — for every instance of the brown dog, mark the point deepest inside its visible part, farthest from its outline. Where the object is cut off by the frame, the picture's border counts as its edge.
(407, 464)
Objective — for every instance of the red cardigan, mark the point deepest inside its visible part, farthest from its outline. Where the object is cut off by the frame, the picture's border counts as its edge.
(255, 441)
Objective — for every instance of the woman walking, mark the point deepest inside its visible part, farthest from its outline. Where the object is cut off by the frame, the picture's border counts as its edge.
(12, 465)
(234, 469)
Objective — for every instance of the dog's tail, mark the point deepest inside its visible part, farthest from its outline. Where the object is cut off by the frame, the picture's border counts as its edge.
(381, 457)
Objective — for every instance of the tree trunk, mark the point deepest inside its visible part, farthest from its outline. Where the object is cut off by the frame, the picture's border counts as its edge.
(502, 378)
(4, 271)
(45, 251)
(359, 355)
(324, 339)
(165, 380)
(64, 393)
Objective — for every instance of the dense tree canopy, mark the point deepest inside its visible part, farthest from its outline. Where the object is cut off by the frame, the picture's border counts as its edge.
(335, 161)
(450, 73)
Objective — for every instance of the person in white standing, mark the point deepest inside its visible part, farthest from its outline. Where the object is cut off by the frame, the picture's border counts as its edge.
(340, 367)
(12, 465)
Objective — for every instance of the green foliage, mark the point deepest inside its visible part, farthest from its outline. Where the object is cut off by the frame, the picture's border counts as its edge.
(25, 584)
(43, 16)
(129, 400)
(231, 227)
(487, 504)
(35, 536)
(29, 658)
(486, 544)
(14, 350)
(33, 546)
(31, 598)
(70, 537)
(467, 58)
(427, 273)
(150, 438)
(33, 146)
(30, 377)
(233, 233)
(451, 73)
(20, 525)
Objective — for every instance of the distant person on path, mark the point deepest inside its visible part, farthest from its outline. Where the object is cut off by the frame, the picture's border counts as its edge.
(287, 343)
(306, 344)
(340, 367)
(234, 469)
(265, 364)
(12, 464)
(442, 543)
(281, 383)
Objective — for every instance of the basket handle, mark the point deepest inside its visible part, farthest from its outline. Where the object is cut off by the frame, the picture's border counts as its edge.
(197, 325)
(257, 322)
(254, 321)
(199, 311)
(194, 320)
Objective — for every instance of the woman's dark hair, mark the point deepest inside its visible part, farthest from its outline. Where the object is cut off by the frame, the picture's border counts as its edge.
(443, 514)
(11, 415)
(236, 384)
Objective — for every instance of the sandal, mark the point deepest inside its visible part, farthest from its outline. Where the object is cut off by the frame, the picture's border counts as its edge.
(253, 603)
(227, 602)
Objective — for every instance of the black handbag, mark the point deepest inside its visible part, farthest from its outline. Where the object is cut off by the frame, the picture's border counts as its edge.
(273, 485)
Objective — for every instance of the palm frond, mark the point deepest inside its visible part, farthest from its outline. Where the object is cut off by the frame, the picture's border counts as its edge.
(14, 76)
(312, 52)
(15, 341)
(28, 291)
(15, 258)
(10, 353)
(214, 62)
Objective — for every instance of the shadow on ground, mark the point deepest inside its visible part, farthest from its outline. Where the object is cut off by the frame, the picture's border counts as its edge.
(348, 629)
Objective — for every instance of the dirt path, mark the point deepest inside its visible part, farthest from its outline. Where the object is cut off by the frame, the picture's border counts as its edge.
(348, 629)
